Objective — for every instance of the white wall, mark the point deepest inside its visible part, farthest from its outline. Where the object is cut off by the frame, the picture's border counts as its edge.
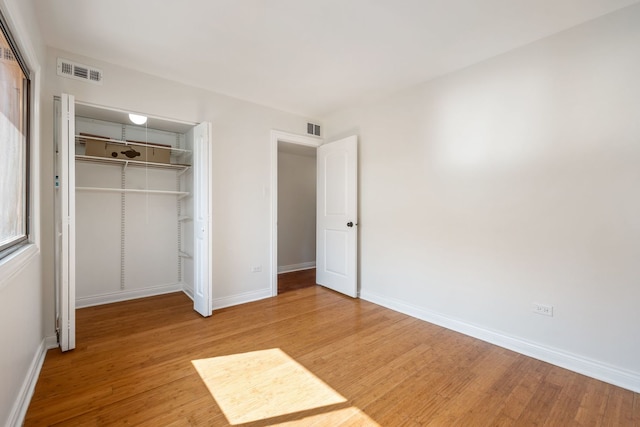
(296, 211)
(511, 182)
(22, 338)
(21, 333)
(151, 261)
(241, 166)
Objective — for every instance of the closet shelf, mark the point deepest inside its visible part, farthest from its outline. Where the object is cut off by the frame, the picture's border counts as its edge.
(133, 190)
(125, 163)
(174, 151)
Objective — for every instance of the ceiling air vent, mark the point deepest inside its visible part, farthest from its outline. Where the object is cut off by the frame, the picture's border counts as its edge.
(76, 71)
(313, 129)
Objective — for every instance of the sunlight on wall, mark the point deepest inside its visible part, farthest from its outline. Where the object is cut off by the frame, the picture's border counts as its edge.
(269, 385)
(473, 128)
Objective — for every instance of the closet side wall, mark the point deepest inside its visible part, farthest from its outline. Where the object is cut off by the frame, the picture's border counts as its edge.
(186, 224)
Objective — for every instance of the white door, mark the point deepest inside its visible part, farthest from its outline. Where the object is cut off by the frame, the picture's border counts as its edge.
(65, 225)
(337, 216)
(202, 286)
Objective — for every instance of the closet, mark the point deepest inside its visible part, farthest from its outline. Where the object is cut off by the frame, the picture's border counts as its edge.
(132, 210)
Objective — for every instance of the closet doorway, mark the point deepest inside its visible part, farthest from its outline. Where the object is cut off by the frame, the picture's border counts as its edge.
(132, 210)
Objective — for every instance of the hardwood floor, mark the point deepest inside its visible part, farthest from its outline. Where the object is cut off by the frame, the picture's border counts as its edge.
(154, 361)
(296, 280)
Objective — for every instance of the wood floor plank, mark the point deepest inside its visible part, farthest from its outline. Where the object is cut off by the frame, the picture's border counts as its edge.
(296, 280)
(492, 386)
(619, 407)
(567, 404)
(147, 405)
(539, 407)
(133, 366)
(594, 403)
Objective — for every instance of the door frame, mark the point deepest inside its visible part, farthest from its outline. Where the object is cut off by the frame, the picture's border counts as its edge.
(290, 138)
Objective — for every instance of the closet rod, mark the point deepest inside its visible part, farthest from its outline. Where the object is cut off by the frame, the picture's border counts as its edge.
(132, 190)
(107, 160)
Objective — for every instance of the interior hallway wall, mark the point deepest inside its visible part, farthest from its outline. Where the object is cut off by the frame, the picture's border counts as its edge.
(296, 211)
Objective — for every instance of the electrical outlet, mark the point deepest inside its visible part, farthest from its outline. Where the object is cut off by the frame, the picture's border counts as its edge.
(256, 269)
(546, 310)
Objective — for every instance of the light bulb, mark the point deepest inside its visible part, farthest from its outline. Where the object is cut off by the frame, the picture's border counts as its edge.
(138, 119)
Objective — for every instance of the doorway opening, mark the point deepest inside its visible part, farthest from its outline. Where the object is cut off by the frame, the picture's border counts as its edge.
(296, 216)
(293, 201)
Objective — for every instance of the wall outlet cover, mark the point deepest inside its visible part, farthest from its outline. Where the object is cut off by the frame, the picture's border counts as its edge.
(544, 309)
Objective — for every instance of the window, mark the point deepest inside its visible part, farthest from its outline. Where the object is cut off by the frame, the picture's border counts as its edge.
(14, 145)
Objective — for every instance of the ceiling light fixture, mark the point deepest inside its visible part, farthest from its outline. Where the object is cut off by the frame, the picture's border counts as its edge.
(138, 119)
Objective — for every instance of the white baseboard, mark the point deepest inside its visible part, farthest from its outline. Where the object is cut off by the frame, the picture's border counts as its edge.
(234, 299)
(241, 298)
(159, 290)
(51, 342)
(127, 295)
(296, 267)
(580, 364)
(19, 410)
(188, 291)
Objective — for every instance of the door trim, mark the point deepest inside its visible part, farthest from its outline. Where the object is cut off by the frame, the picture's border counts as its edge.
(291, 138)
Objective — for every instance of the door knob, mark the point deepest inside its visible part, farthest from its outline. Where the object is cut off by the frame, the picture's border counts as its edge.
(350, 224)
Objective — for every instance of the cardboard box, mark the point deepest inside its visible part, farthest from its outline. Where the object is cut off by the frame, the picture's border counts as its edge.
(141, 153)
(148, 153)
(97, 148)
(94, 147)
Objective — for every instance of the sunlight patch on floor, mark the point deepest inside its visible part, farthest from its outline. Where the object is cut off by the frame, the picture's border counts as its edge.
(268, 384)
(342, 417)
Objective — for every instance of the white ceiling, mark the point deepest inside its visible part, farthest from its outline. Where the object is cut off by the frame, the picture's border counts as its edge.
(303, 56)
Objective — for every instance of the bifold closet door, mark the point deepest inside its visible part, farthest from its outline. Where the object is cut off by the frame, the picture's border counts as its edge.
(65, 224)
(202, 286)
